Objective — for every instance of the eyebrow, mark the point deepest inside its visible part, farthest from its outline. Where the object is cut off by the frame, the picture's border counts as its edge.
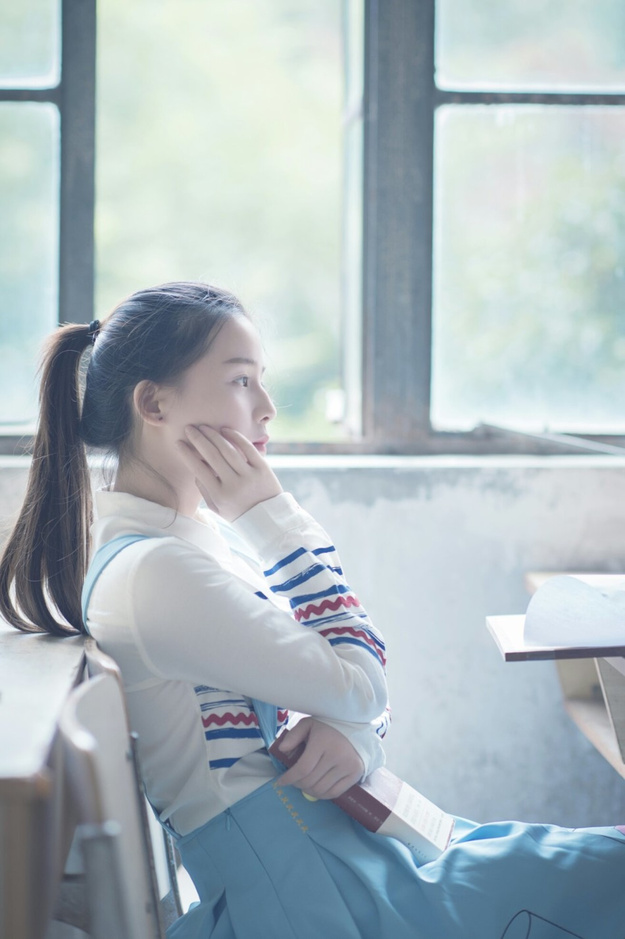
(242, 360)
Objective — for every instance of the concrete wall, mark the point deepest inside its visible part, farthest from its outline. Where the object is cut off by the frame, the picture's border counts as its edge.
(432, 546)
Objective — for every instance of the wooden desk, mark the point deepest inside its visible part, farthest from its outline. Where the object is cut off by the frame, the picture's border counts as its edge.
(593, 685)
(36, 675)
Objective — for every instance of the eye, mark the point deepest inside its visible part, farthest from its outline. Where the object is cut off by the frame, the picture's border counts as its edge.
(242, 380)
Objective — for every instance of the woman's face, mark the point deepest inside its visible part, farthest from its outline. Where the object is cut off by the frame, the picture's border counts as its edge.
(224, 388)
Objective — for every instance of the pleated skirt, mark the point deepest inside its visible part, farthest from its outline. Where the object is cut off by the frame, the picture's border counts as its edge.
(277, 866)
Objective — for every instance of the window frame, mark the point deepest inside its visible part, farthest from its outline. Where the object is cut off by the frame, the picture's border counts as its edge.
(74, 96)
(399, 106)
(400, 103)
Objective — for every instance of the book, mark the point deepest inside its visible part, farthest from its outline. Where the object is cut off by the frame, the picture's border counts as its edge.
(385, 804)
(568, 617)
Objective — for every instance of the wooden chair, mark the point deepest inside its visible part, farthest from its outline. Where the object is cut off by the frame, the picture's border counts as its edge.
(162, 855)
(122, 892)
(37, 673)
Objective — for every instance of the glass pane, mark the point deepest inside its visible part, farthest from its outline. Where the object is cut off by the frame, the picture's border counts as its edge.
(29, 44)
(219, 157)
(529, 328)
(29, 185)
(515, 44)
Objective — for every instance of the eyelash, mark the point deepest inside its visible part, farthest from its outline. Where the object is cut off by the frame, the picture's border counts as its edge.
(244, 381)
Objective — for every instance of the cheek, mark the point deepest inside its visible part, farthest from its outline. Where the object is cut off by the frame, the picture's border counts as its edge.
(194, 407)
(218, 408)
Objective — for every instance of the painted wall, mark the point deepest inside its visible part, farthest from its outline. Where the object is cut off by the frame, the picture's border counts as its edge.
(433, 545)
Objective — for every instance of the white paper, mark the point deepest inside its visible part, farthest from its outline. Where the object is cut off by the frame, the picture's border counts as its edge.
(564, 611)
(419, 823)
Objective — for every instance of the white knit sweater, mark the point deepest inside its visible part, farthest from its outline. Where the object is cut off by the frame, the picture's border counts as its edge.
(202, 617)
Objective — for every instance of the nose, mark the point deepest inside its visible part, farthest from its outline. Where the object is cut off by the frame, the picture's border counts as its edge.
(266, 410)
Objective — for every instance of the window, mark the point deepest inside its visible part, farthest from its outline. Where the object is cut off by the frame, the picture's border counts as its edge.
(494, 240)
(463, 217)
(220, 158)
(29, 184)
(46, 189)
(529, 216)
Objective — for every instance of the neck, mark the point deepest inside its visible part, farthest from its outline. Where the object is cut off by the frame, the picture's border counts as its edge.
(165, 485)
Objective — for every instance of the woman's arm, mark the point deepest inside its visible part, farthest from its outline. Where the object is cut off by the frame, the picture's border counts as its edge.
(301, 562)
(301, 565)
(325, 659)
(195, 621)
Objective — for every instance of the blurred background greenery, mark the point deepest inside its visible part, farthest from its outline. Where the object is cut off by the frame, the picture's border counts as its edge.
(219, 158)
(529, 288)
(529, 255)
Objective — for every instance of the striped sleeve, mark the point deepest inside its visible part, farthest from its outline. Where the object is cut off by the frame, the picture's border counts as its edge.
(314, 584)
(304, 568)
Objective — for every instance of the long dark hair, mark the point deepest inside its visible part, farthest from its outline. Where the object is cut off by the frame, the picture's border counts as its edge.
(154, 335)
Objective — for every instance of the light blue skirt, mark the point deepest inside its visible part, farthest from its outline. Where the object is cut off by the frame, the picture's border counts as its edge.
(276, 866)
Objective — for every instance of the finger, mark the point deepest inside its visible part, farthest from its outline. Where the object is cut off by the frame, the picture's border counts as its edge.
(247, 448)
(229, 449)
(306, 781)
(206, 480)
(332, 783)
(340, 787)
(293, 777)
(302, 769)
(194, 460)
(319, 784)
(206, 442)
(315, 785)
(324, 780)
(295, 736)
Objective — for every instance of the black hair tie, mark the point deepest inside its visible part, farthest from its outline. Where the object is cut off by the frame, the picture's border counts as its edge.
(94, 328)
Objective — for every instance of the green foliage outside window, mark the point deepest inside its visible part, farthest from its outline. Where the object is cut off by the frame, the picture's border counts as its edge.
(219, 157)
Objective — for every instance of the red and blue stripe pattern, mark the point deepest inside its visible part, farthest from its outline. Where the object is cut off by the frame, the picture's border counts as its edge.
(230, 725)
(383, 722)
(315, 587)
(313, 584)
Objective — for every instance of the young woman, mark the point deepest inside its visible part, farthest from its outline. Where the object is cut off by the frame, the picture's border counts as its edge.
(225, 619)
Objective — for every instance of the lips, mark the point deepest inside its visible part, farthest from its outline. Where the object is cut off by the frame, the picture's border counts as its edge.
(261, 444)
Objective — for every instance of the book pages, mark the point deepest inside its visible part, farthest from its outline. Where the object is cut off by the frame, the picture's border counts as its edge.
(565, 611)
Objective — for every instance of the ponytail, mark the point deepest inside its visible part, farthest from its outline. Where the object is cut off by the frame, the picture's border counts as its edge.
(45, 559)
(152, 335)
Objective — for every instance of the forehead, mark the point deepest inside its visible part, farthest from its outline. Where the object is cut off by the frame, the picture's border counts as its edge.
(238, 338)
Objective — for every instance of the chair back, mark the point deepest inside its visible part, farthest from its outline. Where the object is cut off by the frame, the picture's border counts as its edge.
(161, 850)
(99, 663)
(122, 895)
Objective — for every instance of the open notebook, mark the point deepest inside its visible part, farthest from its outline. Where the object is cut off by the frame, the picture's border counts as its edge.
(568, 617)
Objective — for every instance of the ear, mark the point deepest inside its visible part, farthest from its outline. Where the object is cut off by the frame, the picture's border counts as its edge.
(150, 402)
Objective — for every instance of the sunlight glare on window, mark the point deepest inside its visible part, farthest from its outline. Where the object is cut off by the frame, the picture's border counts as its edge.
(529, 274)
(29, 183)
(30, 43)
(577, 45)
(220, 158)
